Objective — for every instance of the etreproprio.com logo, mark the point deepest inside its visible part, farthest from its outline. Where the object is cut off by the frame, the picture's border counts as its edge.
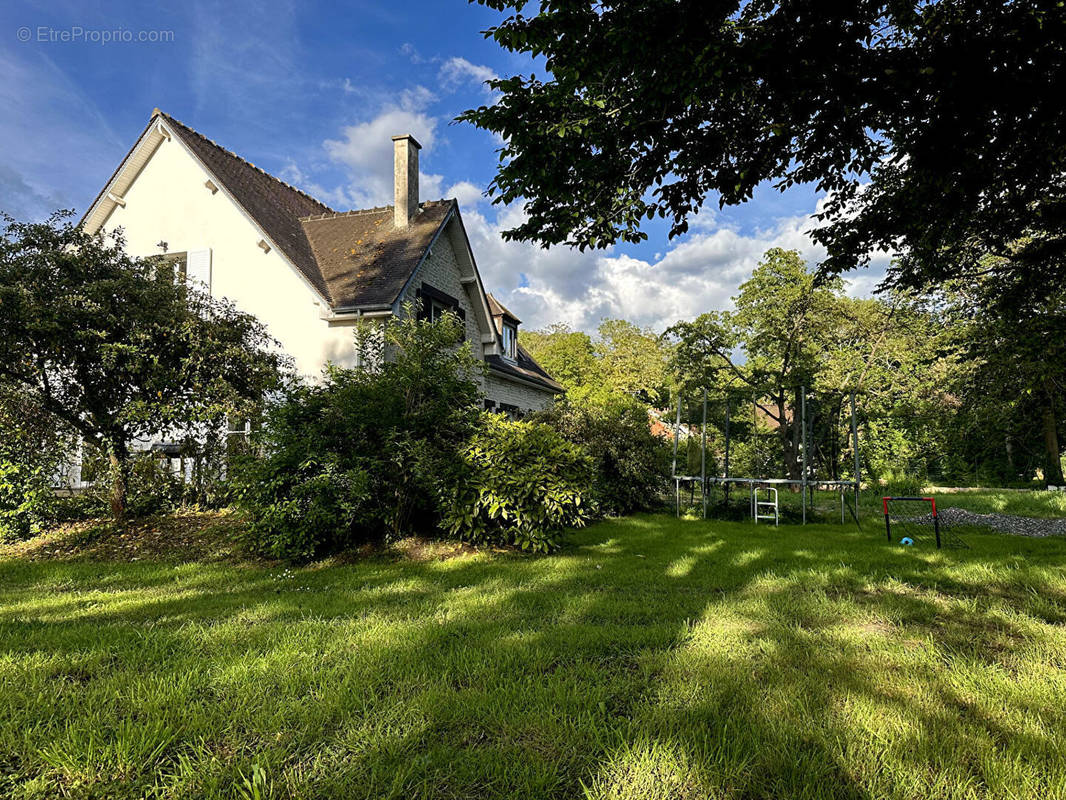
(76, 34)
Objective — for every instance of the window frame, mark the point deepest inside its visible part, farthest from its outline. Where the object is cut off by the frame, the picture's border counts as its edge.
(510, 342)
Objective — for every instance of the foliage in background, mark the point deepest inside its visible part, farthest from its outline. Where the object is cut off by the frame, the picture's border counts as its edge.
(522, 484)
(767, 349)
(115, 347)
(151, 487)
(631, 465)
(621, 359)
(362, 455)
(1015, 378)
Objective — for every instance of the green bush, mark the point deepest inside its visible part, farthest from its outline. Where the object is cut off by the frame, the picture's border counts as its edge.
(27, 502)
(33, 446)
(631, 464)
(522, 484)
(150, 487)
(362, 455)
(903, 485)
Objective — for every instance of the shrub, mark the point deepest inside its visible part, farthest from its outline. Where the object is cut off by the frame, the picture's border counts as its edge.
(33, 446)
(903, 485)
(150, 487)
(361, 456)
(631, 464)
(522, 483)
(27, 502)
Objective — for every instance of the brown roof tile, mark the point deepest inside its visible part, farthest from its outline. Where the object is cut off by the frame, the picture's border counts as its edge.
(363, 258)
(524, 367)
(498, 309)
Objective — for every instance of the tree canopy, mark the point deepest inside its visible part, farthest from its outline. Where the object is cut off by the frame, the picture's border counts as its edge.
(117, 348)
(937, 129)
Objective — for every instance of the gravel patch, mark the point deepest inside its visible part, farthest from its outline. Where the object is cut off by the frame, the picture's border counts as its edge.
(1004, 523)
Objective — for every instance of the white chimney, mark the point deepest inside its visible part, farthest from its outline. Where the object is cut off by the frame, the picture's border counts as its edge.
(405, 177)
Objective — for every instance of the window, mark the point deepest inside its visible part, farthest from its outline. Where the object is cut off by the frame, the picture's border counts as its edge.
(510, 340)
(177, 264)
(192, 266)
(437, 310)
(435, 304)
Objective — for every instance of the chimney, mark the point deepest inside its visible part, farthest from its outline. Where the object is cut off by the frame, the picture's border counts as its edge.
(405, 177)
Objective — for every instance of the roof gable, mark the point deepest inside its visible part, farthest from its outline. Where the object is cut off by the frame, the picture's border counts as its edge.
(273, 205)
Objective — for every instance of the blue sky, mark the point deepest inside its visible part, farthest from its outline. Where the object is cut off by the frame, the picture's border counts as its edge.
(311, 92)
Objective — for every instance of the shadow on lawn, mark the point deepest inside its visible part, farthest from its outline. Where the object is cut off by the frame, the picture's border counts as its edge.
(651, 659)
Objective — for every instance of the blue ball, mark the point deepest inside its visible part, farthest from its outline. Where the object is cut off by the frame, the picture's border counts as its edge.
(906, 540)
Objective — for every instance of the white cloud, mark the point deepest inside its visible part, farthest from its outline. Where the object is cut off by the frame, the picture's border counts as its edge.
(456, 71)
(700, 273)
(466, 193)
(366, 150)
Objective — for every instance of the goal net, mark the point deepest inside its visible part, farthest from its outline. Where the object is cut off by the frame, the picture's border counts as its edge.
(915, 521)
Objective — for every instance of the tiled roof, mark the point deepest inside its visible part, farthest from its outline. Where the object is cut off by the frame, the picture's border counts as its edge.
(524, 367)
(363, 258)
(354, 258)
(498, 309)
(274, 205)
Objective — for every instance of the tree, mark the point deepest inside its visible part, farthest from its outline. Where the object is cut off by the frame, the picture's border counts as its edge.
(568, 356)
(621, 360)
(1018, 369)
(633, 360)
(117, 349)
(781, 325)
(934, 128)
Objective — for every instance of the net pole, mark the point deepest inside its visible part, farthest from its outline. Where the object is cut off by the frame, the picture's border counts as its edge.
(803, 428)
(888, 523)
(855, 448)
(726, 485)
(936, 522)
(677, 435)
(703, 456)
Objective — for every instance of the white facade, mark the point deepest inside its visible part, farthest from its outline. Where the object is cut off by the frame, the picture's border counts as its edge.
(170, 202)
(167, 201)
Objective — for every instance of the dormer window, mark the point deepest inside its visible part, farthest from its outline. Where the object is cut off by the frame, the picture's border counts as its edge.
(510, 340)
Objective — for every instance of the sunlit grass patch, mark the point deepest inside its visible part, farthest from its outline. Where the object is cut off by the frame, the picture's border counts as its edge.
(651, 658)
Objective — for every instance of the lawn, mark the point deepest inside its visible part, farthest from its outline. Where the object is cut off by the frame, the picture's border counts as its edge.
(652, 658)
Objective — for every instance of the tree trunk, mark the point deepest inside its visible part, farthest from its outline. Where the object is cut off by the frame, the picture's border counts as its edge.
(1053, 456)
(120, 467)
(834, 441)
(784, 433)
(793, 440)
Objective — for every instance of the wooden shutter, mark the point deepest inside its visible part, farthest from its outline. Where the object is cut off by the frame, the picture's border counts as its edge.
(198, 269)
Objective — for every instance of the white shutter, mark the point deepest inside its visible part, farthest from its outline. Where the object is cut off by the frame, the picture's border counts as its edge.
(198, 269)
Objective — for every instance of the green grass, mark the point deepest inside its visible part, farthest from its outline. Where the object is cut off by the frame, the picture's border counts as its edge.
(651, 659)
(1047, 505)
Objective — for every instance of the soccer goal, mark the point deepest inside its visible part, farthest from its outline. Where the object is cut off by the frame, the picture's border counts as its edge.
(915, 521)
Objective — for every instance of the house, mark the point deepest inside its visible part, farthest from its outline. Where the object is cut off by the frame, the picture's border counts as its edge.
(308, 272)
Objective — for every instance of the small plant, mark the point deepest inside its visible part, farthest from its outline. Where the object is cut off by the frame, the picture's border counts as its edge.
(255, 786)
(522, 484)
